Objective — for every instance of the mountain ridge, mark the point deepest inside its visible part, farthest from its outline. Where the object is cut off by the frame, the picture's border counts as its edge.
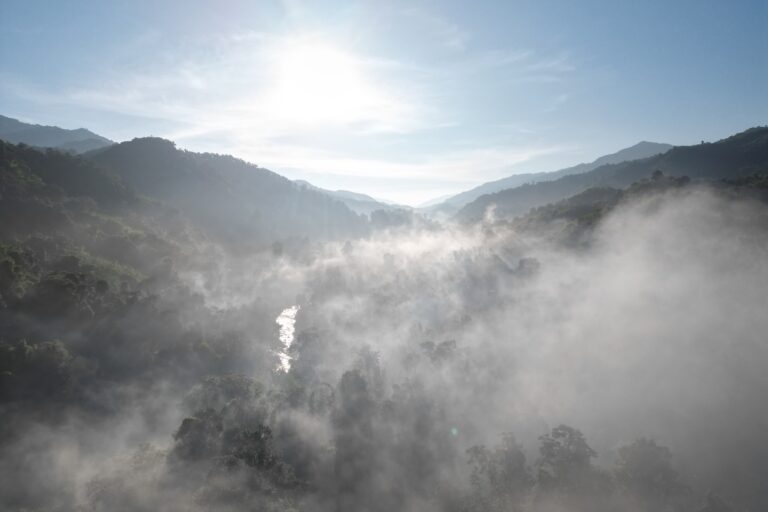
(229, 198)
(735, 156)
(78, 140)
(355, 201)
(642, 149)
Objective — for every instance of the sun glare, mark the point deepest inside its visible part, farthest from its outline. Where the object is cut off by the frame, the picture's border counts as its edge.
(316, 83)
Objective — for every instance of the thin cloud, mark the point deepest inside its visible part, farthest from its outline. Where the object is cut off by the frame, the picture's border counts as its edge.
(293, 8)
(406, 181)
(469, 165)
(508, 65)
(557, 102)
(248, 93)
(449, 34)
(246, 79)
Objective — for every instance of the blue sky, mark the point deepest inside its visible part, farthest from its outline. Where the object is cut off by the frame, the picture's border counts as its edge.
(403, 100)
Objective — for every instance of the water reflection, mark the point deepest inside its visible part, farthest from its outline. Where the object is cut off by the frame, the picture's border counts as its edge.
(287, 322)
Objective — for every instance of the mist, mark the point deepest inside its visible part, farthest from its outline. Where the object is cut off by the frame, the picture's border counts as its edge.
(414, 349)
(295, 256)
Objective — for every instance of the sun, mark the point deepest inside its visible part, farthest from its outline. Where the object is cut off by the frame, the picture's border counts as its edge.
(319, 83)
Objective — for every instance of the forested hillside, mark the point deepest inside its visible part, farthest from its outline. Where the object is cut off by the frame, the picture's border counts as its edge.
(233, 202)
(640, 150)
(739, 155)
(486, 368)
(73, 141)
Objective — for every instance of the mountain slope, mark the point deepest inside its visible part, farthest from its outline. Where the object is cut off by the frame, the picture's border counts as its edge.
(232, 201)
(642, 149)
(75, 141)
(739, 155)
(64, 214)
(358, 203)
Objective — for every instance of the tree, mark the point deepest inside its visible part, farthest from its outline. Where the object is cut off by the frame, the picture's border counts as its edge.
(565, 471)
(644, 472)
(43, 371)
(353, 422)
(565, 457)
(198, 437)
(500, 478)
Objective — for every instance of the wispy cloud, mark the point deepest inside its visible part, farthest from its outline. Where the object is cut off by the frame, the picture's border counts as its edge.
(272, 98)
(449, 34)
(293, 8)
(517, 65)
(557, 102)
(466, 165)
(268, 85)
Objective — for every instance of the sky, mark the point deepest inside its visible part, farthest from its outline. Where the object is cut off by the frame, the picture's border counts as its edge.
(402, 100)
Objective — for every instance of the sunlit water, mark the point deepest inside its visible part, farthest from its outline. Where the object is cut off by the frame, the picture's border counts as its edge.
(287, 322)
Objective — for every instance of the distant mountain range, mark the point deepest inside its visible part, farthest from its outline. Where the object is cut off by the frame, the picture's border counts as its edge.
(82, 141)
(642, 149)
(358, 203)
(737, 156)
(73, 141)
(249, 207)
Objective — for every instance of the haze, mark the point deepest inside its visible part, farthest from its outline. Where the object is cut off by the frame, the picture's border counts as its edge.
(503, 256)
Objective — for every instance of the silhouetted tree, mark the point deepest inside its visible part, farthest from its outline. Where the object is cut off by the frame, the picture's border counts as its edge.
(565, 471)
(500, 478)
(354, 441)
(644, 472)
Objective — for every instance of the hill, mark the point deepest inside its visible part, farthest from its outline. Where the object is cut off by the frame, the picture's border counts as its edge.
(740, 155)
(72, 234)
(358, 203)
(642, 149)
(233, 202)
(74, 141)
